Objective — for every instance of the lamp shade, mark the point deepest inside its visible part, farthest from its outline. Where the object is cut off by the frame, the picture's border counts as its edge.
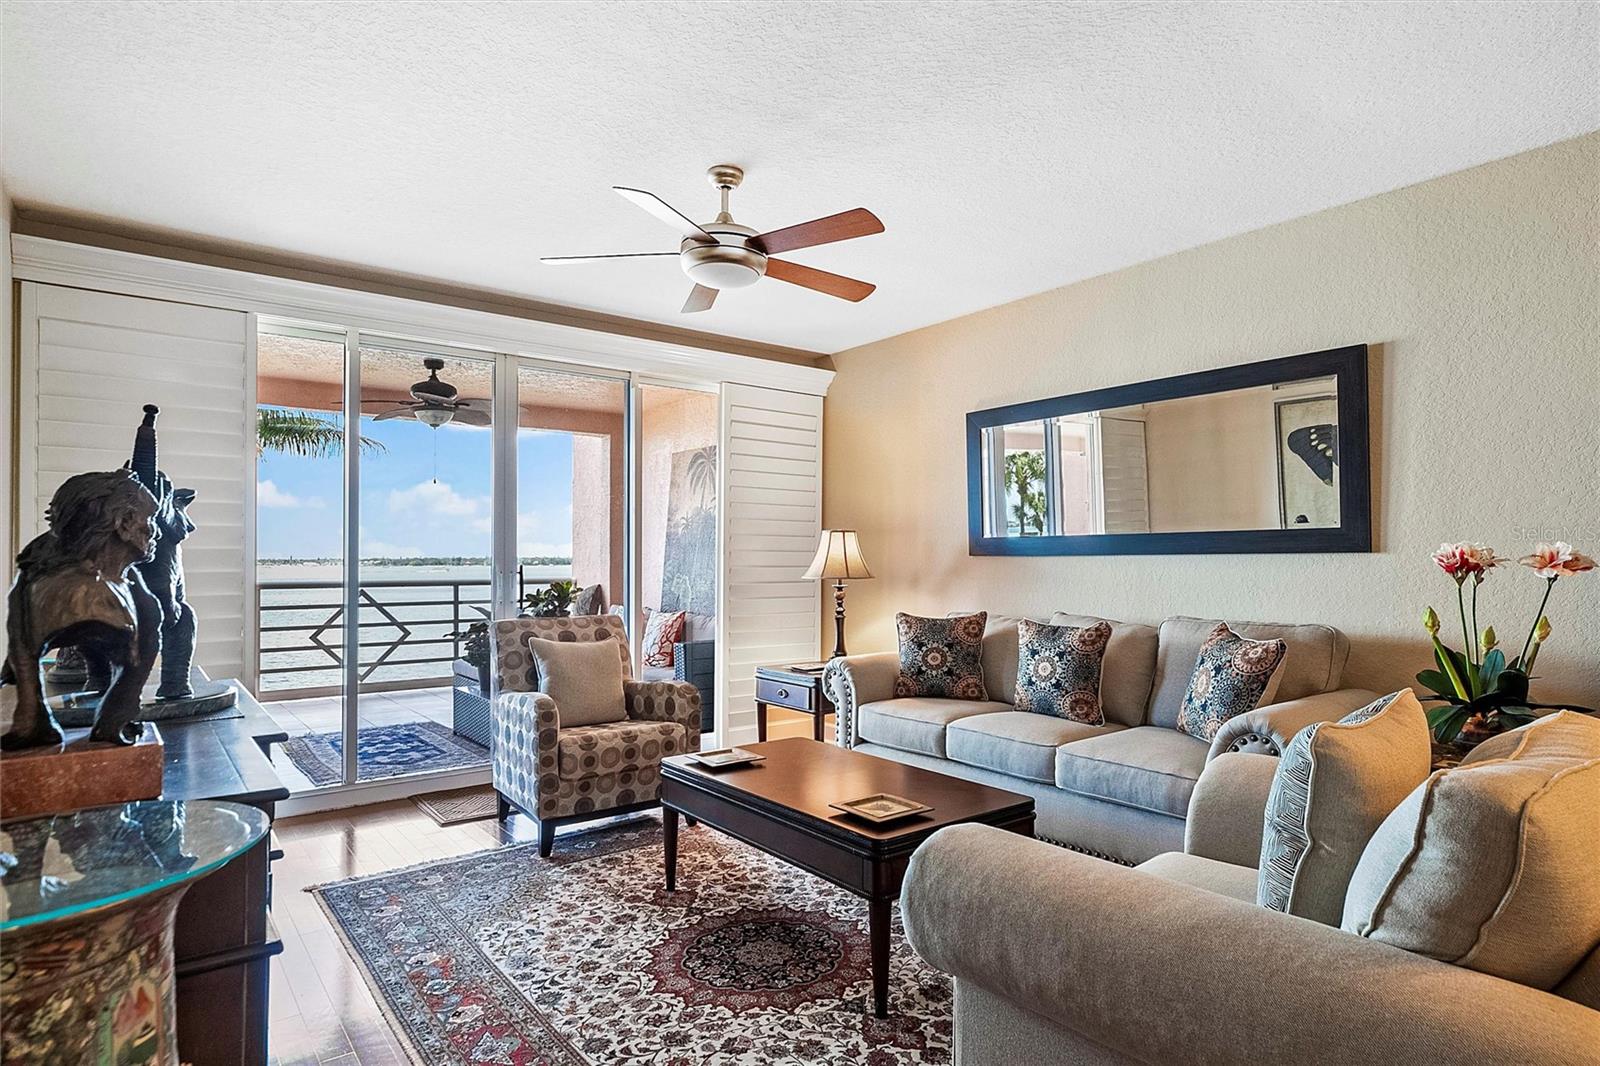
(838, 557)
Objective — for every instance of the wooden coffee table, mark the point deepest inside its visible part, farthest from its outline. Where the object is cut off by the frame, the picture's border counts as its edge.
(781, 807)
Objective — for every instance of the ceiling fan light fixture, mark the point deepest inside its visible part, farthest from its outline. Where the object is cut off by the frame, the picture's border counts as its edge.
(721, 275)
(434, 416)
(722, 254)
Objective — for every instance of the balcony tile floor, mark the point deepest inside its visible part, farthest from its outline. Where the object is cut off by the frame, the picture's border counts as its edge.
(324, 714)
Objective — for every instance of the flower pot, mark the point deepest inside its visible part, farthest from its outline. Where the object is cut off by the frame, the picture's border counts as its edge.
(477, 676)
(1475, 731)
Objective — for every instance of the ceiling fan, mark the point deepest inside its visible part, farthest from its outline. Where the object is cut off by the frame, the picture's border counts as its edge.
(721, 254)
(434, 402)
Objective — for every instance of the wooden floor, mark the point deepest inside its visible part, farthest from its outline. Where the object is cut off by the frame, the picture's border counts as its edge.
(322, 1011)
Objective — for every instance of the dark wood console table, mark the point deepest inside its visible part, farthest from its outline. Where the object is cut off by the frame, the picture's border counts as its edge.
(223, 939)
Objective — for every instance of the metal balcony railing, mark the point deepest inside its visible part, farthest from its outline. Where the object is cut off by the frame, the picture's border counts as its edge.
(404, 627)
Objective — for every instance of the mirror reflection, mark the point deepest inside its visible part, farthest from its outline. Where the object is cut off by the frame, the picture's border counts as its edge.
(1265, 457)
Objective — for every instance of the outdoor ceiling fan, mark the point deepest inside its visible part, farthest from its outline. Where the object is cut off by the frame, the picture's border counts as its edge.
(721, 254)
(434, 402)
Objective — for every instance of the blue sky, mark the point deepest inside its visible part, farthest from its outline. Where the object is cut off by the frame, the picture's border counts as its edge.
(404, 511)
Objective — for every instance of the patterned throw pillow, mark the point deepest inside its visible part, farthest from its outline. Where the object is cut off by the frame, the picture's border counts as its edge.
(1058, 670)
(941, 657)
(1232, 675)
(662, 629)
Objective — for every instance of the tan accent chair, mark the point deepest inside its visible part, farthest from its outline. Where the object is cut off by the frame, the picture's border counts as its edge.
(558, 775)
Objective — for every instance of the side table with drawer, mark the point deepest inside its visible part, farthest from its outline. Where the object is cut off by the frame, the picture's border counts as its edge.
(793, 690)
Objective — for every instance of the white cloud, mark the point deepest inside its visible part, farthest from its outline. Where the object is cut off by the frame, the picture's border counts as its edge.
(428, 498)
(544, 525)
(268, 494)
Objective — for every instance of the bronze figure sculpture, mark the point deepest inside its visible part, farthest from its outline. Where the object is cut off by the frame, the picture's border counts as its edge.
(163, 571)
(76, 585)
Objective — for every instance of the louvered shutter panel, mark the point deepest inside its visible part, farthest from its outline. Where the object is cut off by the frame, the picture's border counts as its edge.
(92, 362)
(771, 515)
(1126, 487)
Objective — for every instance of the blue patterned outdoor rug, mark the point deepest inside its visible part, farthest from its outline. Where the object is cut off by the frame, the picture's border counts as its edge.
(384, 751)
(583, 959)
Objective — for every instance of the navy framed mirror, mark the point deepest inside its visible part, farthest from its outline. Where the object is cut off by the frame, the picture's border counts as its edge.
(1271, 456)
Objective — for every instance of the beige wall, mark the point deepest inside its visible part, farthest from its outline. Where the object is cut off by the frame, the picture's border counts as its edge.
(1211, 462)
(596, 518)
(1480, 295)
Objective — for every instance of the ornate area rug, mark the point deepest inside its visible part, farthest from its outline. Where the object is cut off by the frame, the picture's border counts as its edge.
(384, 751)
(584, 959)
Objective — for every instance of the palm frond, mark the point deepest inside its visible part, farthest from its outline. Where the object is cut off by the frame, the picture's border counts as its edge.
(302, 433)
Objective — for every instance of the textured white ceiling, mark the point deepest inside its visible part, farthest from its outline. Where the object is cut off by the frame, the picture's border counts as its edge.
(1009, 148)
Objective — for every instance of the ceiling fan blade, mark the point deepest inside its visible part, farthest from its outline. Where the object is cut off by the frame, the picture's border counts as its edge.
(665, 212)
(470, 416)
(841, 227)
(563, 259)
(397, 412)
(822, 281)
(700, 299)
(473, 404)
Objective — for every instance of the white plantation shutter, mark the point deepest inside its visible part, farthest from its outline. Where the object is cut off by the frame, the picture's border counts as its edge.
(1125, 485)
(90, 362)
(771, 516)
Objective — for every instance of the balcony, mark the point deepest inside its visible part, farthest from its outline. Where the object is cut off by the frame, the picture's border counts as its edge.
(410, 719)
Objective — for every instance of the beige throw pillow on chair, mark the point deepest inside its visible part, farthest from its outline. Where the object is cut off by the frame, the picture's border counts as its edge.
(584, 677)
(1491, 865)
(1335, 784)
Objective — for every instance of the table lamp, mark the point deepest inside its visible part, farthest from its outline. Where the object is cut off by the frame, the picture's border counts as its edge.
(838, 558)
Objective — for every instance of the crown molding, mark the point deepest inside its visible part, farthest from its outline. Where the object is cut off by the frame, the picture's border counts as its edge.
(82, 266)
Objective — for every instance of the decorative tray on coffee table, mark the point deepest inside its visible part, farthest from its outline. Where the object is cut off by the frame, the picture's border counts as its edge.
(724, 757)
(881, 807)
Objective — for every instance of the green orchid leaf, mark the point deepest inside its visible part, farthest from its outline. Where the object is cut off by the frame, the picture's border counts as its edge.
(1449, 726)
(1447, 665)
(1465, 670)
(1493, 664)
(1437, 715)
(1435, 681)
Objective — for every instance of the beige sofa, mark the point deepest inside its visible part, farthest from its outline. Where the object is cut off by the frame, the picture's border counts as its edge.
(1063, 960)
(1120, 790)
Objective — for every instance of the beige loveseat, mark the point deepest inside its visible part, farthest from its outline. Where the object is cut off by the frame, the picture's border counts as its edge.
(1119, 790)
(1063, 960)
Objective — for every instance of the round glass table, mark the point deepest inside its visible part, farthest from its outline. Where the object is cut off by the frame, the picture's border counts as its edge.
(86, 907)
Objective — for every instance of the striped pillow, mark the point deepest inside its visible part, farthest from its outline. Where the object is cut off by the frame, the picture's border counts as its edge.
(1336, 783)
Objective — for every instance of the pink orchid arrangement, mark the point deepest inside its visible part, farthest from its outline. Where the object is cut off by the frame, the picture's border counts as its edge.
(1480, 689)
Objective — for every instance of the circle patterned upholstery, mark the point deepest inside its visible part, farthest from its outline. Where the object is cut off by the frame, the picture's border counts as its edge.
(552, 772)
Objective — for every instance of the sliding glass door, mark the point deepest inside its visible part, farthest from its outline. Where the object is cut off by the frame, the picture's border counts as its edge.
(426, 475)
(570, 451)
(299, 537)
(677, 550)
(407, 493)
